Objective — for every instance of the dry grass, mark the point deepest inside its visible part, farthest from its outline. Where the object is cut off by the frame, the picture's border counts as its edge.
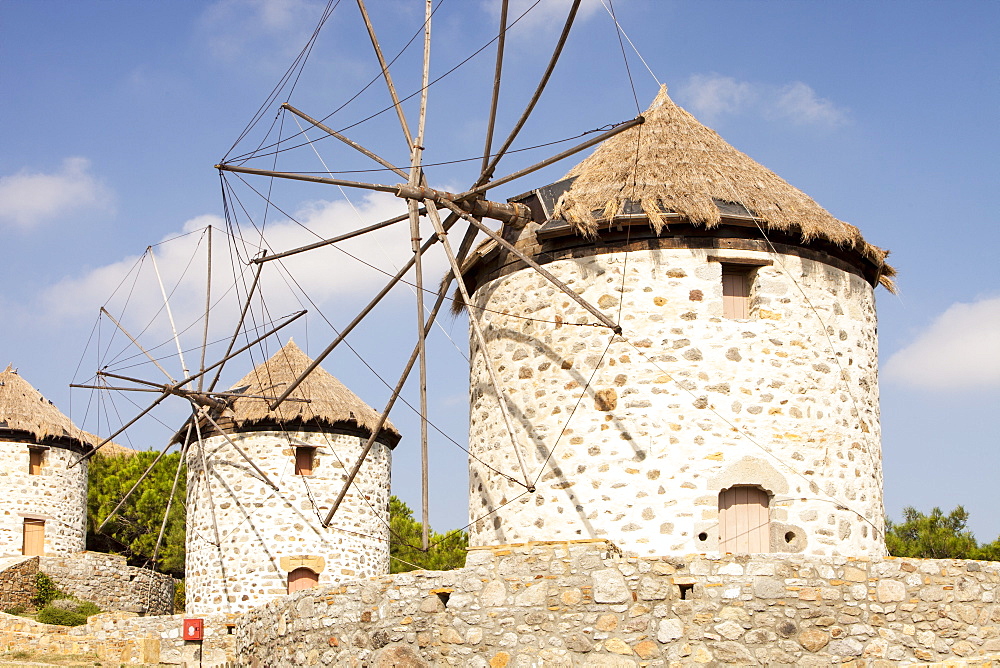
(329, 400)
(673, 163)
(23, 408)
(25, 658)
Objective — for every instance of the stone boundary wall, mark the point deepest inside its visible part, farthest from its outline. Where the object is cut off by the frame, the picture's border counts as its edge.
(123, 638)
(582, 603)
(17, 581)
(108, 581)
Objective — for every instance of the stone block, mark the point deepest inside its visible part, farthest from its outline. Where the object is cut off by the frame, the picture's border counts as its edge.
(669, 630)
(890, 590)
(610, 587)
(493, 594)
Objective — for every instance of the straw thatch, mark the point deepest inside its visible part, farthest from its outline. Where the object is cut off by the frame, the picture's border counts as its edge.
(112, 449)
(673, 163)
(330, 402)
(24, 409)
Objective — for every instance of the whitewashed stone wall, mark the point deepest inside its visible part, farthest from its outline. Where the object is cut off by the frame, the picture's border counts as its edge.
(266, 533)
(58, 495)
(632, 438)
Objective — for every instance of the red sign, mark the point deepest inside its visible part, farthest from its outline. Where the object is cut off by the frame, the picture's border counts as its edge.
(194, 629)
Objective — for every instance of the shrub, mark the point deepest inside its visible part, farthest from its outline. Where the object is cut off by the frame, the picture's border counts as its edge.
(46, 590)
(179, 596)
(16, 610)
(51, 615)
(64, 604)
(86, 608)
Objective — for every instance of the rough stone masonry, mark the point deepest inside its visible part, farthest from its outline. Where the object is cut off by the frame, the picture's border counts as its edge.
(632, 438)
(583, 604)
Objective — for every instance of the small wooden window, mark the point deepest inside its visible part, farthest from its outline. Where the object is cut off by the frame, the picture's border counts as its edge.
(744, 520)
(34, 538)
(302, 578)
(35, 458)
(736, 282)
(304, 460)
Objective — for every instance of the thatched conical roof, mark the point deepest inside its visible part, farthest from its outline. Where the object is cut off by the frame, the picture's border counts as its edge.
(330, 402)
(24, 409)
(673, 163)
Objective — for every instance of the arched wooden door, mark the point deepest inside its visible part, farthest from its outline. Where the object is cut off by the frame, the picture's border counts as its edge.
(302, 578)
(744, 520)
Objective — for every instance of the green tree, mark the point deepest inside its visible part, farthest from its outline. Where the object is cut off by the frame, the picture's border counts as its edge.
(988, 551)
(134, 528)
(936, 536)
(447, 551)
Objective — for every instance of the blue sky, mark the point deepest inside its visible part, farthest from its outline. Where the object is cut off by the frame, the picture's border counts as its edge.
(115, 113)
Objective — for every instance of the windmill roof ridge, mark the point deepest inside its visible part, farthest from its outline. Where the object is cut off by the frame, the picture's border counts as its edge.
(673, 163)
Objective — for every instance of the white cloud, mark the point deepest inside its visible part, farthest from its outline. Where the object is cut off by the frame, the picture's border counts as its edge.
(959, 350)
(28, 199)
(238, 29)
(128, 288)
(711, 96)
(546, 15)
(798, 102)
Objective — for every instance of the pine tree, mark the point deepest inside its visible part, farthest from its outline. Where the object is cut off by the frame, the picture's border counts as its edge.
(134, 528)
(936, 536)
(447, 551)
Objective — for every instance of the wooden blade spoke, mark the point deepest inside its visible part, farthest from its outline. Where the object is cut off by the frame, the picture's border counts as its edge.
(173, 493)
(238, 449)
(136, 343)
(385, 73)
(488, 172)
(441, 296)
(337, 135)
(131, 422)
(605, 320)
(497, 70)
(136, 485)
(357, 320)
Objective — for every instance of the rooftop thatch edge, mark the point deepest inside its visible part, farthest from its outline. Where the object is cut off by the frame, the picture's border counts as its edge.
(24, 409)
(329, 400)
(674, 163)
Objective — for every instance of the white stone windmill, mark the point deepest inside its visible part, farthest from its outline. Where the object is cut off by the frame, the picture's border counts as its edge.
(255, 525)
(738, 408)
(43, 505)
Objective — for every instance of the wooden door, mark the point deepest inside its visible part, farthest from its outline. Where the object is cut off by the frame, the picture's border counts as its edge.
(744, 522)
(35, 458)
(304, 460)
(302, 578)
(34, 538)
(735, 294)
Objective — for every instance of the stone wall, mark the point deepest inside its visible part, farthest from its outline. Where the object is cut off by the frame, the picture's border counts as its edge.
(263, 533)
(108, 581)
(123, 638)
(17, 581)
(632, 438)
(57, 495)
(584, 604)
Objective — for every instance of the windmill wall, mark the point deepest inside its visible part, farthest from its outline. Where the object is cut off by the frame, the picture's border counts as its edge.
(56, 495)
(633, 439)
(267, 534)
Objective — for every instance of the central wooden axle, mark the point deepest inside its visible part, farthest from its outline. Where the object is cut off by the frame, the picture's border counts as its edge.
(514, 213)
